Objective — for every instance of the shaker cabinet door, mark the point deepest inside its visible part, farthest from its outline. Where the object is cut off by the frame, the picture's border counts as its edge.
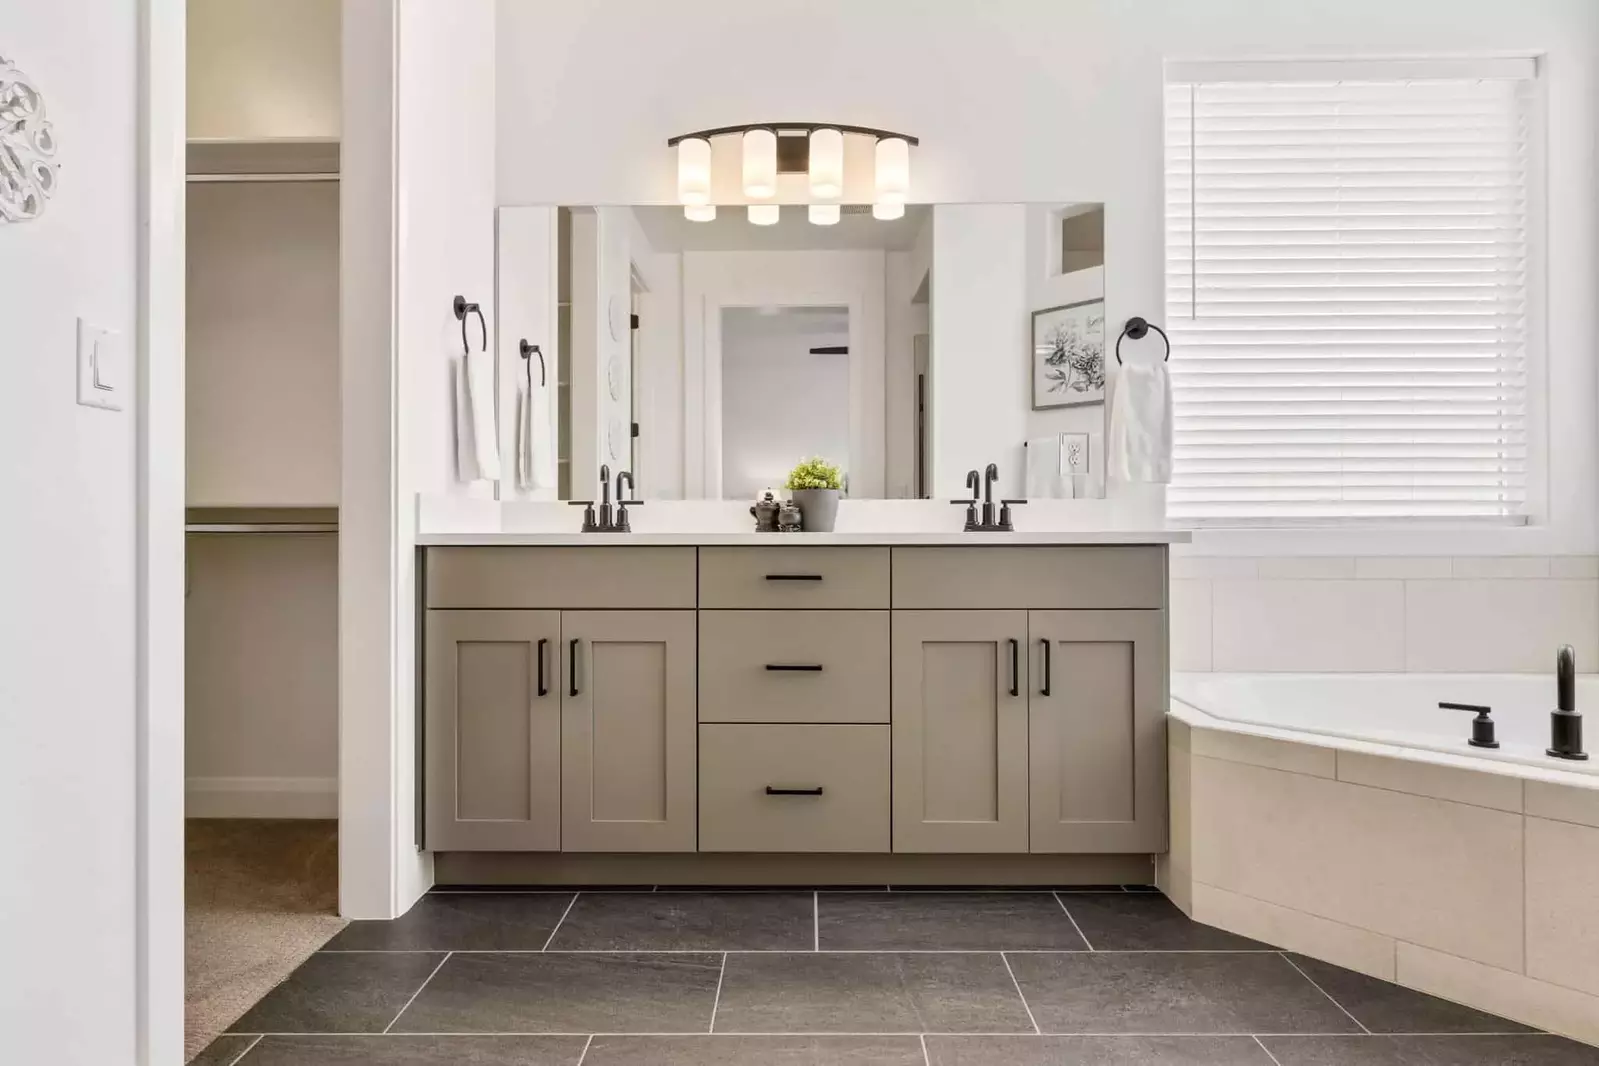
(1097, 726)
(493, 731)
(628, 731)
(960, 731)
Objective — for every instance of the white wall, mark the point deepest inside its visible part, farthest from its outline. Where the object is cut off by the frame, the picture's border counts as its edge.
(1056, 103)
(262, 666)
(67, 631)
(417, 229)
(263, 69)
(779, 402)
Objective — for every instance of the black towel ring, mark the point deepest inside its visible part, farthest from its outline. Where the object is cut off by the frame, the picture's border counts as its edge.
(1138, 329)
(462, 309)
(528, 352)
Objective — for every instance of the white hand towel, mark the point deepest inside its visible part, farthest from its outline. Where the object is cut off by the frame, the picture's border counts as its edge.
(1140, 424)
(535, 444)
(477, 442)
(1046, 470)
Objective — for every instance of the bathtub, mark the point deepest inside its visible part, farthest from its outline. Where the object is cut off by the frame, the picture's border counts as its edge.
(1398, 710)
(1345, 817)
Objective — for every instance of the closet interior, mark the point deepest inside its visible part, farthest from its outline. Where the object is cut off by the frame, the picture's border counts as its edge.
(263, 429)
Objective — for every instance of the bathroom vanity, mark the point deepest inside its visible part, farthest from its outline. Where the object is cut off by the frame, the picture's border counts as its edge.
(824, 708)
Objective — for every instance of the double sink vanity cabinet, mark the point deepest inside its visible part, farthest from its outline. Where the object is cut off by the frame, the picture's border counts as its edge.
(758, 700)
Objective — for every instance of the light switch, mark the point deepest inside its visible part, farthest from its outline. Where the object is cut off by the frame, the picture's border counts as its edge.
(1074, 453)
(103, 372)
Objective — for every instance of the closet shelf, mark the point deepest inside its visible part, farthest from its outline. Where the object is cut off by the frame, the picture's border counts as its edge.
(289, 159)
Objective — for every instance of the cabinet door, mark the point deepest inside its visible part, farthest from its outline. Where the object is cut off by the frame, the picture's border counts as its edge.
(493, 722)
(960, 731)
(1098, 731)
(627, 731)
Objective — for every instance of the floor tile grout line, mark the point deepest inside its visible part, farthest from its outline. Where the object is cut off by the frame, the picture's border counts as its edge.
(805, 951)
(1073, 919)
(1324, 992)
(590, 1043)
(307, 1035)
(816, 921)
(418, 992)
(1256, 1039)
(716, 1004)
(1020, 994)
(927, 1060)
(569, 905)
(248, 1048)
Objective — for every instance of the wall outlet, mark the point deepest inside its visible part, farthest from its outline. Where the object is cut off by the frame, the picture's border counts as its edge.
(1074, 457)
(103, 372)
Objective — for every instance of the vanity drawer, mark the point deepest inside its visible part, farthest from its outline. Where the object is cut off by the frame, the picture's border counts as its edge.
(777, 576)
(740, 649)
(838, 775)
(643, 578)
(1006, 578)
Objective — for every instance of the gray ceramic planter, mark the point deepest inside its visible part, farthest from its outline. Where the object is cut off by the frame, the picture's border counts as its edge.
(818, 507)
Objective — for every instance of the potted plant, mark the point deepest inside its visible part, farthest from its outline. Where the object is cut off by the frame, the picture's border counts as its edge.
(814, 485)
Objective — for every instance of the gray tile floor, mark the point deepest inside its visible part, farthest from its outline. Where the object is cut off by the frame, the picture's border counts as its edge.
(843, 978)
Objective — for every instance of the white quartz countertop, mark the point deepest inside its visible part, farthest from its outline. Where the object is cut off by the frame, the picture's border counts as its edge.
(717, 539)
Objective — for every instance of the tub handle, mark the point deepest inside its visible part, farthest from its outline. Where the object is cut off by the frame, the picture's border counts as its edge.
(1482, 726)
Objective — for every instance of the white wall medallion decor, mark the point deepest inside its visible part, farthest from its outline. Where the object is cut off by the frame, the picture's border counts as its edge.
(27, 147)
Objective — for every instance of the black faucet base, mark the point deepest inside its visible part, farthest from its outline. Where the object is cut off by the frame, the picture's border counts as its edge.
(1483, 743)
(1570, 756)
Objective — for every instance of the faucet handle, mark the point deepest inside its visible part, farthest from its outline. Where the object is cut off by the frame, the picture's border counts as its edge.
(590, 524)
(1004, 514)
(1482, 726)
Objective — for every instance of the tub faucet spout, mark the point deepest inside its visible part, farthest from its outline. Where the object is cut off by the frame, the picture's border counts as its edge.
(1565, 725)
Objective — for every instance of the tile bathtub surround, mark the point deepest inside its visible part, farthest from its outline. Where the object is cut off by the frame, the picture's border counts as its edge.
(1437, 613)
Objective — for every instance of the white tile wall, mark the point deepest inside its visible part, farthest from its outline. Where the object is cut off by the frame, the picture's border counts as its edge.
(1563, 904)
(1383, 613)
(1306, 625)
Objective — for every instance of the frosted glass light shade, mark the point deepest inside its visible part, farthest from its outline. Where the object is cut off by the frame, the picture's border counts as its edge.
(893, 170)
(760, 164)
(764, 214)
(827, 164)
(823, 214)
(700, 212)
(694, 171)
(888, 212)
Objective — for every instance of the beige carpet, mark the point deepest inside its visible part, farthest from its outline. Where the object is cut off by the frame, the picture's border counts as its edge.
(261, 897)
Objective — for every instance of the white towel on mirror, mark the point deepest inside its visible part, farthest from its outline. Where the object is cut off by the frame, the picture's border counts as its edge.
(477, 442)
(1046, 470)
(1140, 423)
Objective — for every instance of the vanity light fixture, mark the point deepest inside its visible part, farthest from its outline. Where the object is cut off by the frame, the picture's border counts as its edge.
(770, 151)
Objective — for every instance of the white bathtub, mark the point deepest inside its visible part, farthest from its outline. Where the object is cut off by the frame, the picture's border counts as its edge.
(1398, 710)
(1345, 816)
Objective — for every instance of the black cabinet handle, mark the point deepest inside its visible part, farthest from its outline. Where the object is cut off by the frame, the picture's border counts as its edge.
(795, 668)
(793, 577)
(772, 790)
(1044, 691)
(544, 688)
(1015, 667)
(572, 668)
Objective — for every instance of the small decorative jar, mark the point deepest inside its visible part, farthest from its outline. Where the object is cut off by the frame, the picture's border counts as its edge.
(789, 519)
(765, 511)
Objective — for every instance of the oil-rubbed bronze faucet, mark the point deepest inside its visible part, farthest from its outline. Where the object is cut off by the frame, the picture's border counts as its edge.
(1565, 724)
(988, 523)
(607, 521)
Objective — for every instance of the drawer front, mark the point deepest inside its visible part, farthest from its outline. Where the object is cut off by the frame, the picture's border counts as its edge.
(794, 666)
(758, 788)
(516, 577)
(778, 577)
(1000, 578)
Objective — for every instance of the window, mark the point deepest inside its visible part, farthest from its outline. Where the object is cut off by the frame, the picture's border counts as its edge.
(1347, 290)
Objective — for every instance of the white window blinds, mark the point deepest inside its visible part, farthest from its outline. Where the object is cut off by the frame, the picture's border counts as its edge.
(1346, 292)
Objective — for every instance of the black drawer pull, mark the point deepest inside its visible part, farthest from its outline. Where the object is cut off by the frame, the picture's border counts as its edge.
(544, 689)
(795, 668)
(793, 577)
(572, 689)
(1015, 667)
(774, 791)
(1048, 672)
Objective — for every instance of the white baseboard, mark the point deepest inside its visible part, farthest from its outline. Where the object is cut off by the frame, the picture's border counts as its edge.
(262, 797)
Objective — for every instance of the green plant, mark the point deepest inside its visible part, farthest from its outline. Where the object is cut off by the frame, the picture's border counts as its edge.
(815, 473)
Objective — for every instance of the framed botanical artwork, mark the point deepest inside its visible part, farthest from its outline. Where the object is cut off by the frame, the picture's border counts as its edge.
(1069, 355)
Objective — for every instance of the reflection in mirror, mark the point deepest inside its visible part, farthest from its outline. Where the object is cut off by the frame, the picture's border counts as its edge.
(710, 357)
